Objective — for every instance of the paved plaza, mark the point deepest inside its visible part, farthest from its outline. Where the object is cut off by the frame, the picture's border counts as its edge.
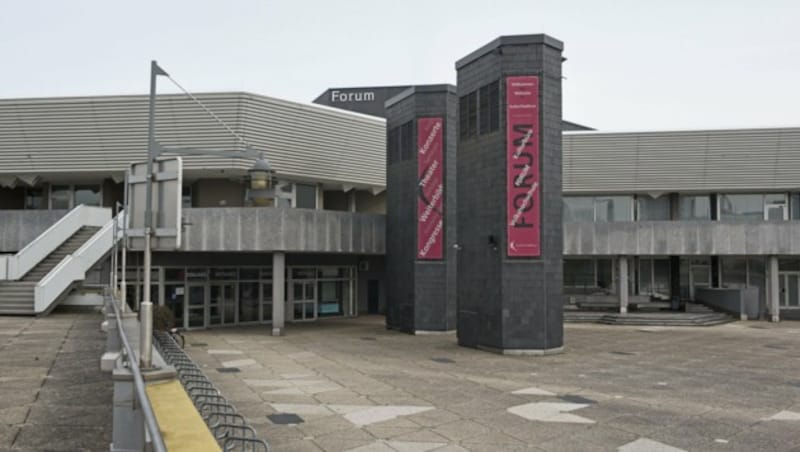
(52, 393)
(350, 384)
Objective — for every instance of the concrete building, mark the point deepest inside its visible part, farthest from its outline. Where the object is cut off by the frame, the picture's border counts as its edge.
(651, 220)
(327, 228)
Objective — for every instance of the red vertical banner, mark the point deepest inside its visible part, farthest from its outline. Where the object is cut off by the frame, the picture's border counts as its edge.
(523, 184)
(430, 188)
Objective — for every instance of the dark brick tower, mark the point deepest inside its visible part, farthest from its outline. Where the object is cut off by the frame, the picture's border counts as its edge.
(509, 196)
(421, 208)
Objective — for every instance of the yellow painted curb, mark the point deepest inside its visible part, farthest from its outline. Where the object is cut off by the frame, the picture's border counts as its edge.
(181, 425)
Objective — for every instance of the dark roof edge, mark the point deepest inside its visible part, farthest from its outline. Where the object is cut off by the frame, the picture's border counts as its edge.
(510, 41)
(445, 87)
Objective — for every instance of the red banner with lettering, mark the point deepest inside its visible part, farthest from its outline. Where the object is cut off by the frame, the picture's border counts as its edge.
(522, 166)
(430, 188)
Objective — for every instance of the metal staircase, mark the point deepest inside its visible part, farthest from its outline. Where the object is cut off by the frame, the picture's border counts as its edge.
(17, 297)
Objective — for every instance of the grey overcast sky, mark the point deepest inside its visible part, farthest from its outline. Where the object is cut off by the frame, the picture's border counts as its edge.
(632, 65)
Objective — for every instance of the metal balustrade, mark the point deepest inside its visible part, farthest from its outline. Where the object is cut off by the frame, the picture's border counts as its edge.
(229, 428)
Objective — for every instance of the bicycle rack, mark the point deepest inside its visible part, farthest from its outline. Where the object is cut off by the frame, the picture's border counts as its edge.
(229, 428)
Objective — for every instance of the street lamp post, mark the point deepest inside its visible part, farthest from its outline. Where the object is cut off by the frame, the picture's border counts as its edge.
(261, 189)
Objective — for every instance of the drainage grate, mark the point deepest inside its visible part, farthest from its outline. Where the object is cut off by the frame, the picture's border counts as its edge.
(795, 384)
(368, 339)
(577, 399)
(622, 353)
(285, 419)
(199, 344)
(228, 370)
(443, 360)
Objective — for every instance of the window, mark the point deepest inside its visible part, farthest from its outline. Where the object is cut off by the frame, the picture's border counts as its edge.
(186, 196)
(406, 141)
(489, 107)
(494, 106)
(741, 207)
(35, 199)
(578, 209)
(734, 272)
(692, 207)
(770, 206)
(305, 196)
(468, 115)
(88, 195)
(472, 113)
(654, 277)
(613, 208)
(652, 209)
(69, 196)
(60, 197)
(483, 109)
(391, 146)
(579, 273)
(601, 208)
(795, 206)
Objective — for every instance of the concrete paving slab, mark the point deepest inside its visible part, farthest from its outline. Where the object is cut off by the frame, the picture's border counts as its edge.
(52, 393)
(721, 383)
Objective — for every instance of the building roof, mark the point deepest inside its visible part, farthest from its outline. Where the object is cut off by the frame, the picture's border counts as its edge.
(68, 135)
(763, 159)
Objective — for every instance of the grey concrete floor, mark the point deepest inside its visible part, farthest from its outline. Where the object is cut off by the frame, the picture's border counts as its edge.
(357, 386)
(52, 393)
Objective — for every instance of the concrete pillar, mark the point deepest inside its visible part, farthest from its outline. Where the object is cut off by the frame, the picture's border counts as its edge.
(278, 292)
(421, 127)
(509, 219)
(623, 284)
(774, 290)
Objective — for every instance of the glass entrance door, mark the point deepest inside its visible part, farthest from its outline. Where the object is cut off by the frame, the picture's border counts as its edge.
(304, 300)
(789, 289)
(196, 306)
(221, 305)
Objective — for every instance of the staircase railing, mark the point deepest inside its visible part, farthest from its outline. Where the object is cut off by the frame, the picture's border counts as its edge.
(74, 266)
(17, 265)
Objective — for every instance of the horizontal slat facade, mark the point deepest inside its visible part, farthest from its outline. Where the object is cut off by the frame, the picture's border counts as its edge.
(682, 161)
(105, 134)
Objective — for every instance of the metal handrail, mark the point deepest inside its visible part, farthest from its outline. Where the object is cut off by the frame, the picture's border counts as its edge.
(138, 382)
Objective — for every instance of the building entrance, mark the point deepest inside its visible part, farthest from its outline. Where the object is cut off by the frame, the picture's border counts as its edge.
(222, 304)
(196, 306)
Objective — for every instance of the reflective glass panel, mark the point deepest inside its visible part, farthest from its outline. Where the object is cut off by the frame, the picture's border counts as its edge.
(653, 209)
(613, 208)
(694, 207)
(578, 209)
(60, 197)
(248, 301)
(306, 196)
(741, 207)
(88, 195)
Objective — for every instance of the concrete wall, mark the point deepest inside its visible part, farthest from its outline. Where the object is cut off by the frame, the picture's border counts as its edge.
(283, 229)
(685, 238)
(20, 227)
(731, 300)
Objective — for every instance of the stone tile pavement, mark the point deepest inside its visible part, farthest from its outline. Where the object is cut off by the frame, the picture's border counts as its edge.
(360, 387)
(52, 393)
